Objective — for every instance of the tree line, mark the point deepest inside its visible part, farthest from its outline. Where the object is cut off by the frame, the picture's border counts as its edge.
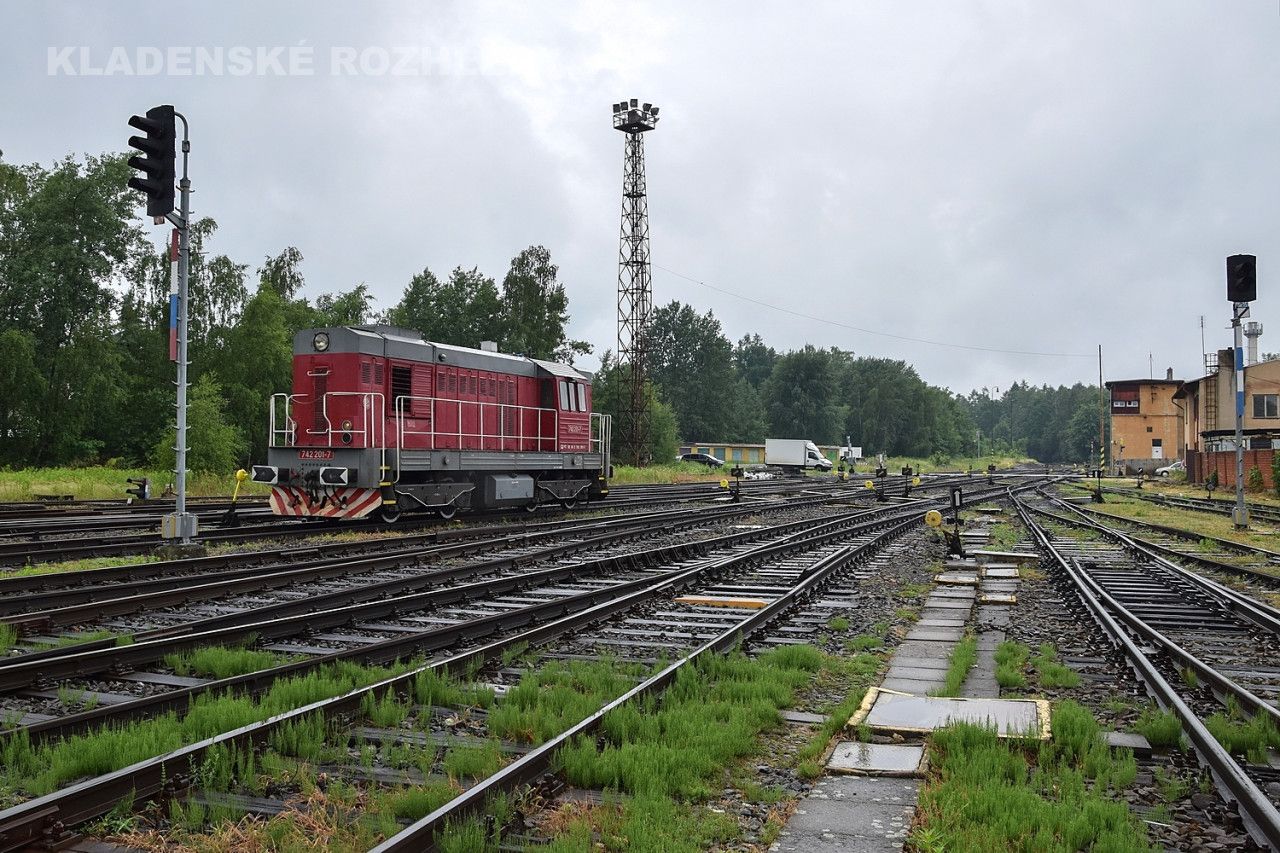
(84, 370)
(709, 390)
(85, 376)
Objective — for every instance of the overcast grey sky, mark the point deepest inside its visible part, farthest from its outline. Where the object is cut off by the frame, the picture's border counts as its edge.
(1026, 176)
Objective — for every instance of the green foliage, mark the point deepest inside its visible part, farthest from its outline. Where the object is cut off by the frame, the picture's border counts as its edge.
(214, 444)
(673, 745)
(1011, 657)
(1051, 673)
(463, 311)
(220, 661)
(987, 795)
(535, 309)
(691, 363)
(1160, 728)
(609, 395)
(963, 657)
(1275, 473)
(473, 762)
(1253, 479)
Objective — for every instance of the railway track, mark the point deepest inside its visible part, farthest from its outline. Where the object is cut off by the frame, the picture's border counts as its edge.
(74, 538)
(561, 597)
(1260, 511)
(1200, 647)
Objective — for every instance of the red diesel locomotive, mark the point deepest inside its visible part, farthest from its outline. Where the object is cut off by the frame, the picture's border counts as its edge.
(381, 422)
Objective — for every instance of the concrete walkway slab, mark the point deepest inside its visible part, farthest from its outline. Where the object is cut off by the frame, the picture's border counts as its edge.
(943, 635)
(877, 759)
(912, 686)
(888, 711)
(851, 814)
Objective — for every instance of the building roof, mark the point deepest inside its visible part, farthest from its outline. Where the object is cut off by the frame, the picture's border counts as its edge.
(1143, 382)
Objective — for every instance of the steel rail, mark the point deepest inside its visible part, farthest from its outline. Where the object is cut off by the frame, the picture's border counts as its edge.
(46, 819)
(41, 611)
(1260, 614)
(422, 834)
(1260, 816)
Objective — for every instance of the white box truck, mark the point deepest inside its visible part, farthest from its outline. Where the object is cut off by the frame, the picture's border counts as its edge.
(794, 453)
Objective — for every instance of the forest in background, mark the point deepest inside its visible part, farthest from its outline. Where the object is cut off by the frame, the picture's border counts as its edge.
(85, 377)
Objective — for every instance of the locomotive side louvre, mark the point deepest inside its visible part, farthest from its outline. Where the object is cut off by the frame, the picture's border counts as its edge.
(381, 420)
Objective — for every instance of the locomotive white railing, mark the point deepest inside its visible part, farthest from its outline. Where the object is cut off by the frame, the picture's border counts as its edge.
(282, 409)
(602, 439)
(488, 439)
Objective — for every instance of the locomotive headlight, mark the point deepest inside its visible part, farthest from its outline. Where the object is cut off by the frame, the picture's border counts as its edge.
(346, 425)
(321, 341)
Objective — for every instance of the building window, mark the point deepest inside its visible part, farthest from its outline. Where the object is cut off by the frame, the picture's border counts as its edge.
(1149, 429)
(1157, 442)
(1124, 400)
(1266, 405)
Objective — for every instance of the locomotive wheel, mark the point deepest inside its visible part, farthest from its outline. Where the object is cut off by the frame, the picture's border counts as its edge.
(570, 503)
(389, 514)
(531, 506)
(447, 511)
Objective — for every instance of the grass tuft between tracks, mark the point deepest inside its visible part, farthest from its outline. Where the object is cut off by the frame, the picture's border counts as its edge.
(222, 661)
(985, 793)
(28, 769)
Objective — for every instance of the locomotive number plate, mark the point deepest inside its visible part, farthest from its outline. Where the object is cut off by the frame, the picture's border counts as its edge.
(315, 454)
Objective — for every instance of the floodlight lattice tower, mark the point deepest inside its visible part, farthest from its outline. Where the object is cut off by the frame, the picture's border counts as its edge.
(635, 290)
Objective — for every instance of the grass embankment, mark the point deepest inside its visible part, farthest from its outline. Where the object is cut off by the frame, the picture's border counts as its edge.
(674, 472)
(103, 483)
(1203, 523)
(984, 793)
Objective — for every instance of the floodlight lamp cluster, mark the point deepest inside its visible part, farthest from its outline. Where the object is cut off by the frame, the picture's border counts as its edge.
(631, 116)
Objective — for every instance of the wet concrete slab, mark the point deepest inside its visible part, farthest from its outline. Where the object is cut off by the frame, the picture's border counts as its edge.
(941, 635)
(1000, 570)
(940, 623)
(907, 662)
(1129, 740)
(952, 603)
(957, 578)
(913, 686)
(945, 593)
(851, 814)
(876, 759)
(925, 649)
(915, 673)
(890, 711)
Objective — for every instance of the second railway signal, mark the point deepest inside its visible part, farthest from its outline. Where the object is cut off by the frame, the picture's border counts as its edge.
(157, 160)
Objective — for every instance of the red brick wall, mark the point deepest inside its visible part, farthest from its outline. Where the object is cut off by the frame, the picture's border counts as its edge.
(1200, 464)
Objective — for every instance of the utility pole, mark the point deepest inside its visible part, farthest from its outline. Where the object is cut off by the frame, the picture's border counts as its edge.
(1242, 288)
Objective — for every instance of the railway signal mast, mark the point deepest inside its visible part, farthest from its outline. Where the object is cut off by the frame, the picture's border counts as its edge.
(1242, 288)
(635, 290)
(157, 162)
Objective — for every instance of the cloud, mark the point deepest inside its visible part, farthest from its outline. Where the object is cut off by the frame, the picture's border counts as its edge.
(1013, 175)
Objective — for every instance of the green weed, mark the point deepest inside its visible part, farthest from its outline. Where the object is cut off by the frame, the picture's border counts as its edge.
(963, 657)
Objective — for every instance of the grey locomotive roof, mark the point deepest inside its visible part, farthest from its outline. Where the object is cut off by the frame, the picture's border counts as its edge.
(395, 342)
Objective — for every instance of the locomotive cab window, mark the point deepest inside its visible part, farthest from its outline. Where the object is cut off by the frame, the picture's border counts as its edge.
(582, 396)
(565, 404)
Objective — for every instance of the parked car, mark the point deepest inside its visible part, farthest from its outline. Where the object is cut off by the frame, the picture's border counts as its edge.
(702, 459)
(1176, 468)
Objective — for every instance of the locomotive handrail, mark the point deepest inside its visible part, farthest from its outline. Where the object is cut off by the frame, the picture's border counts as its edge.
(503, 409)
(290, 430)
